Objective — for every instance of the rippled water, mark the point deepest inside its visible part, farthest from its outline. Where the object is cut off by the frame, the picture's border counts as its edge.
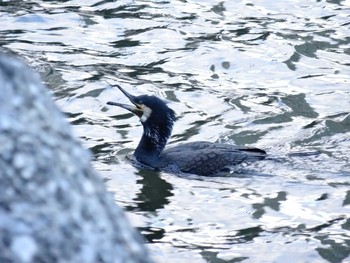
(273, 74)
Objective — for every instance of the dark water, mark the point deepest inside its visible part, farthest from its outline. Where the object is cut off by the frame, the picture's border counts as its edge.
(273, 74)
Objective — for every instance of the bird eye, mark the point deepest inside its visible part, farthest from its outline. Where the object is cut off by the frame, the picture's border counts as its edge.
(138, 103)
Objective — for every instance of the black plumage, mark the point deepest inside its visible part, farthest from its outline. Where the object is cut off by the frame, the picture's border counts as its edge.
(201, 158)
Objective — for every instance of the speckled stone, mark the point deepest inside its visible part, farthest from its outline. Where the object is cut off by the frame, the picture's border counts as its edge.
(53, 205)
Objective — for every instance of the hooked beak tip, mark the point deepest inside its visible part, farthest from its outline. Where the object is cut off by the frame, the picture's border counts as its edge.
(112, 103)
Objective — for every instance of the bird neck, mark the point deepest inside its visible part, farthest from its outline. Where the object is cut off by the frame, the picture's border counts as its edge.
(152, 143)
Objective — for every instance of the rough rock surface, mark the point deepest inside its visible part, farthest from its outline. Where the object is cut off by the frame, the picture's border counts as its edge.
(53, 205)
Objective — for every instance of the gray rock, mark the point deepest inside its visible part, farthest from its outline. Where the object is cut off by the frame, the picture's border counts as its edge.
(53, 205)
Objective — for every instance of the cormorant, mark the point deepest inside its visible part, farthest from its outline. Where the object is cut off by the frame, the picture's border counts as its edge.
(200, 158)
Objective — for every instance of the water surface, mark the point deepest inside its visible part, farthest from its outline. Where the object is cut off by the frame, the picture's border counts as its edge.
(269, 74)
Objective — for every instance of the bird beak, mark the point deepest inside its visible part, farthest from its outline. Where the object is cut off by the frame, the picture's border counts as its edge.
(137, 109)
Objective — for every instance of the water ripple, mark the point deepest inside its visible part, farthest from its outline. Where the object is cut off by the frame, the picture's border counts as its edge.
(269, 74)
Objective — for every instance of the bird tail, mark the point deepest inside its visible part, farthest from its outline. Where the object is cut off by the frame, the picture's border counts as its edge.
(292, 155)
(255, 154)
(303, 154)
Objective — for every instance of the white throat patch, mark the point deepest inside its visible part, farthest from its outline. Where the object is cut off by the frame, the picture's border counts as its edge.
(146, 113)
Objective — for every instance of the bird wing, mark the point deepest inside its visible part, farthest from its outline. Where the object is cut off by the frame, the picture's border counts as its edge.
(190, 146)
(205, 158)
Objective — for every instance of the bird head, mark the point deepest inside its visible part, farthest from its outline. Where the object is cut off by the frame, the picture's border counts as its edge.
(156, 117)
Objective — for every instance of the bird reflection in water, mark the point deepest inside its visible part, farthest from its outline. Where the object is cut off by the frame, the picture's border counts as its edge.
(153, 196)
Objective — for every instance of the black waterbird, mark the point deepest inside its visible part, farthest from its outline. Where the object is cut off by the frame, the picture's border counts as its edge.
(201, 158)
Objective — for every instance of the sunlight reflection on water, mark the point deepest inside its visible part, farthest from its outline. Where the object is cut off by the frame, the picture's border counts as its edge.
(270, 74)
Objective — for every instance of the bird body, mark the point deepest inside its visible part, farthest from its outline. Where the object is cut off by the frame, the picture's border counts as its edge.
(207, 158)
(201, 157)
